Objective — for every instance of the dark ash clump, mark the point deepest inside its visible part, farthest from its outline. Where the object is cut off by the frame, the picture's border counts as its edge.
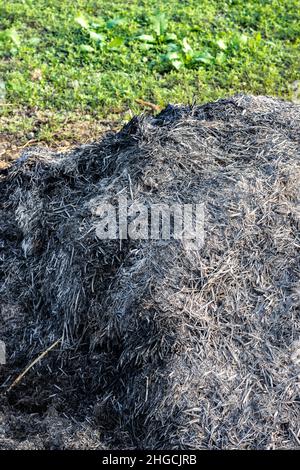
(161, 348)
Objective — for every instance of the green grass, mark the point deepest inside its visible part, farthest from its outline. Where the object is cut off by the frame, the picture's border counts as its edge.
(96, 57)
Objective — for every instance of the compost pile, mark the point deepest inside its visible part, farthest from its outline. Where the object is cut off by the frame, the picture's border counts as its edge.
(157, 346)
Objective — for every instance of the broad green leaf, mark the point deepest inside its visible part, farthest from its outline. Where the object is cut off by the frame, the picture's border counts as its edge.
(172, 55)
(14, 36)
(159, 23)
(146, 46)
(185, 46)
(146, 38)
(220, 58)
(82, 21)
(171, 37)
(97, 36)
(221, 44)
(86, 48)
(116, 42)
(204, 57)
(258, 37)
(98, 23)
(177, 64)
(34, 41)
(244, 38)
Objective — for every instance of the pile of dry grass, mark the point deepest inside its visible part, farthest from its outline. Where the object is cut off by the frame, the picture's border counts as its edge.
(161, 347)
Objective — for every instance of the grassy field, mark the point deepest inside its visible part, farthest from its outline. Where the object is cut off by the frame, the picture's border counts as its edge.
(67, 65)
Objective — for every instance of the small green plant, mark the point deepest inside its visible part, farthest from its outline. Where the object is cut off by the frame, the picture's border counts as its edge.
(96, 33)
(10, 41)
(172, 51)
(183, 55)
(158, 34)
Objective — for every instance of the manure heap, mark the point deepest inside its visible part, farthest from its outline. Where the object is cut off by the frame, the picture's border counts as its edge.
(158, 346)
